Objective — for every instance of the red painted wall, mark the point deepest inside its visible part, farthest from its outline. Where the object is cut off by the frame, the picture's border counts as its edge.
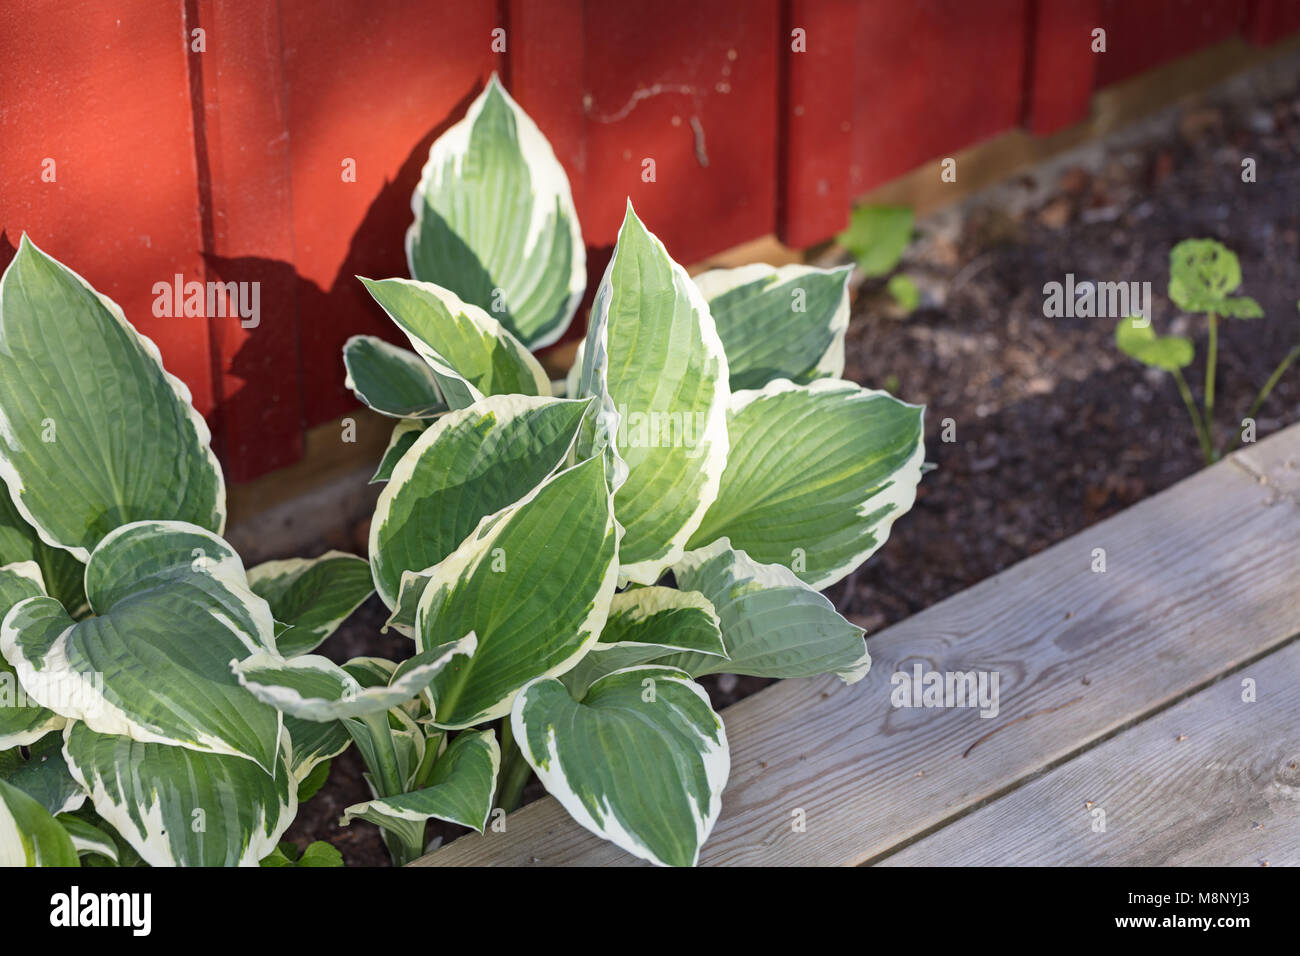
(760, 116)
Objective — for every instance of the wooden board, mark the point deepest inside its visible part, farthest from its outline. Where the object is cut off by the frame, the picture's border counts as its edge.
(1213, 781)
(1199, 579)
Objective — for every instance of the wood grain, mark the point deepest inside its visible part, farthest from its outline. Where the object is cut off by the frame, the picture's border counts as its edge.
(1199, 579)
(1213, 781)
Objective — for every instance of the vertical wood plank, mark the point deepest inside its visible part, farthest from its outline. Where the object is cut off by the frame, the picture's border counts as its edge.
(245, 195)
(374, 81)
(691, 86)
(102, 90)
(1140, 36)
(1268, 21)
(932, 77)
(816, 115)
(1060, 64)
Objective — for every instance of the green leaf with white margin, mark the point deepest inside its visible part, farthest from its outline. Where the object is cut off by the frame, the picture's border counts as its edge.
(29, 835)
(460, 788)
(313, 595)
(22, 721)
(817, 475)
(469, 464)
(43, 775)
(773, 624)
(400, 441)
(88, 839)
(178, 807)
(646, 624)
(779, 323)
(471, 354)
(315, 688)
(534, 583)
(61, 573)
(641, 761)
(154, 663)
(390, 380)
(312, 742)
(664, 385)
(495, 222)
(93, 432)
(1168, 352)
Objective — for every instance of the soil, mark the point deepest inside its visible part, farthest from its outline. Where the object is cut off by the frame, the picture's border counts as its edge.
(1054, 428)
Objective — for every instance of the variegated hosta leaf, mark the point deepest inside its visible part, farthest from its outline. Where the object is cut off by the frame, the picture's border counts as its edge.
(773, 624)
(534, 583)
(779, 323)
(22, 720)
(43, 775)
(154, 663)
(88, 839)
(393, 381)
(404, 435)
(460, 788)
(29, 834)
(817, 475)
(495, 223)
(470, 353)
(61, 573)
(93, 432)
(641, 761)
(312, 742)
(646, 624)
(664, 386)
(312, 595)
(469, 464)
(179, 807)
(315, 688)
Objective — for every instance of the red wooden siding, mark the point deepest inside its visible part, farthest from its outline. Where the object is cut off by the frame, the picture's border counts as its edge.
(227, 164)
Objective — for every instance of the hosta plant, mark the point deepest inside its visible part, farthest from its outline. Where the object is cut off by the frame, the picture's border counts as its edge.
(125, 733)
(569, 558)
(1203, 275)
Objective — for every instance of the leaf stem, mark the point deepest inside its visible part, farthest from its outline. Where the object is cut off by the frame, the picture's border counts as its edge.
(1201, 436)
(1267, 389)
(1211, 364)
(515, 770)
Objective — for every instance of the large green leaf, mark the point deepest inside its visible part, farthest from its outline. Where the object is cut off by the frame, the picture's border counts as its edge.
(179, 807)
(877, 236)
(1168, 352)
(773, 624)
(471, 354)
(22, 720)
(43, 774)
(1202, 273)
(61, 573)
(654, 359)
(393, 381)
(93, 432)
(817, 475)
(459, 791)
(154, 664)
(29, 835)
(315, 688)
(641, 761)
(779, 323)
(466, 466)
(534, 583)
(312, 595)
(495, 223)
(646, 624)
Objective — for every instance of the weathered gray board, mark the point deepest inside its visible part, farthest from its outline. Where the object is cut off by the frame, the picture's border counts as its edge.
(1200, 580)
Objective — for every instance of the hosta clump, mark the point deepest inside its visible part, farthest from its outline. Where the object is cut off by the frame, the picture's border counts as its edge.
(568, 560)
(125, 735)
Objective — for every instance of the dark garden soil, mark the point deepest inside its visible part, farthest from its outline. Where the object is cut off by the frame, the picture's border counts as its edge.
(1055, 430)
